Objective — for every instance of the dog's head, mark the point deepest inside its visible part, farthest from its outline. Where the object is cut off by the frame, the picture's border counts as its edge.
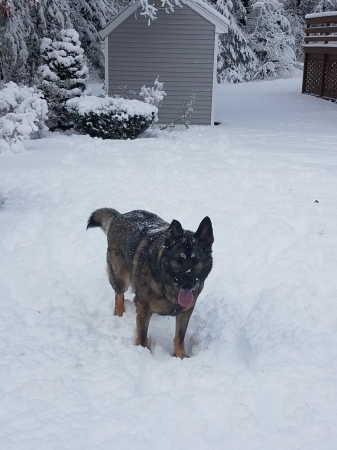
(187, 258)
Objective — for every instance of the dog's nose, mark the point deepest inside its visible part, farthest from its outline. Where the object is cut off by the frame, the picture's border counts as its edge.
(187, 285)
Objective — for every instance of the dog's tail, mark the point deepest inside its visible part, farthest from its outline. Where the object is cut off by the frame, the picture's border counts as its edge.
(102, 218)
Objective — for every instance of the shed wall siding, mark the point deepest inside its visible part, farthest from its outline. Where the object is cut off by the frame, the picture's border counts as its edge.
(179, 47)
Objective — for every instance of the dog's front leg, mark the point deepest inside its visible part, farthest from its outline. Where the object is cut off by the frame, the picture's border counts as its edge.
(181, 326)
(119, 305)
(143, 320)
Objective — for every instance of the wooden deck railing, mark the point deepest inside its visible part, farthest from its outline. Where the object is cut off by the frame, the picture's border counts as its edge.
(320, 50)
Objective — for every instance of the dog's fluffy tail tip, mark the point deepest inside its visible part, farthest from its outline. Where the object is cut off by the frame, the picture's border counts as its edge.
(102, 218)
(92, 223)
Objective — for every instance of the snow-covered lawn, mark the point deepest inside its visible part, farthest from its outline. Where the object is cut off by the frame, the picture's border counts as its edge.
(263, 338)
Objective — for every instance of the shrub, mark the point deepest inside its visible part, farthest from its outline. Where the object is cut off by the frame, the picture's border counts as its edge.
(23, 113)
(153, 95)
(111, 118)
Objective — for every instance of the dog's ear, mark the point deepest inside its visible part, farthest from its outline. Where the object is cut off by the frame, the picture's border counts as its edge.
(174, 232)
(204, 233)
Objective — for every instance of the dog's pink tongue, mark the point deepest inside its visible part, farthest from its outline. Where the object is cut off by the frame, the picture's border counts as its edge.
(185, 298)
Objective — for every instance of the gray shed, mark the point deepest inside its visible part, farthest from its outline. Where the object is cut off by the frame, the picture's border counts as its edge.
(180, 47)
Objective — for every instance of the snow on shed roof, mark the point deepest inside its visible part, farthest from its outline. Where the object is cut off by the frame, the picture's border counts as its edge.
(199, 6)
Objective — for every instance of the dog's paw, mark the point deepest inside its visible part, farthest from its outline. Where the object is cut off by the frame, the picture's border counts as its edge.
(145, 344)
(180, 355)
(119, 312)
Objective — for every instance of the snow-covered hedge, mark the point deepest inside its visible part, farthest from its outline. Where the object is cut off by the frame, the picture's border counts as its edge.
(23, 112)
(111, 118)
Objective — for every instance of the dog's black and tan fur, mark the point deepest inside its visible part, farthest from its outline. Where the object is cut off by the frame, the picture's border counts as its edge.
(161, 262)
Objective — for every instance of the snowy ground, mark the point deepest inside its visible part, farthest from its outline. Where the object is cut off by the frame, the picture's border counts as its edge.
(263, 338)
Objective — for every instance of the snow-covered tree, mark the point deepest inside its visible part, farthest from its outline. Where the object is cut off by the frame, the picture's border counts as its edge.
(293, 12)
(261, 44)
(15, 26)
(54, 16)
(64, 74)
(23, 23)
(271, 38)
(88, 18)
(236, 61)
(317, 6)
(48, 18)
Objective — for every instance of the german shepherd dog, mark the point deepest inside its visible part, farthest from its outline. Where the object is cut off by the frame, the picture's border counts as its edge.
(165, 265)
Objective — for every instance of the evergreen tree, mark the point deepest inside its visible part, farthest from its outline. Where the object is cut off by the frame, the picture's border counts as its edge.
(63, 76)
(293, 12)
(54, 15)
(236, 60)
(4, 16)
(14, 29)
(25, 23)
(262, 37)
(89, 17)
(317, 6)
(271, 38)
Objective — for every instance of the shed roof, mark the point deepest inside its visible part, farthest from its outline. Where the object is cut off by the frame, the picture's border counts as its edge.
(199, 6)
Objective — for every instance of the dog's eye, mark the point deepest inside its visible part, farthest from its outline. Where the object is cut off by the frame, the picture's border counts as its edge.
(195, 261)
(180, 260)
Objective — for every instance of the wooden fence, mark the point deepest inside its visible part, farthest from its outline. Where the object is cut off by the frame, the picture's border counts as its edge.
(320, 56)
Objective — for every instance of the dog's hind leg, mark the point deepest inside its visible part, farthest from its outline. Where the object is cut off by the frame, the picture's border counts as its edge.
(119, 279)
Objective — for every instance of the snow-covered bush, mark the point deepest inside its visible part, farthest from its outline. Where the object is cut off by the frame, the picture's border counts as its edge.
(23, 112)
(63, 76)
(185, 114)
(14, 129)
(153, 95)
(111, 118)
